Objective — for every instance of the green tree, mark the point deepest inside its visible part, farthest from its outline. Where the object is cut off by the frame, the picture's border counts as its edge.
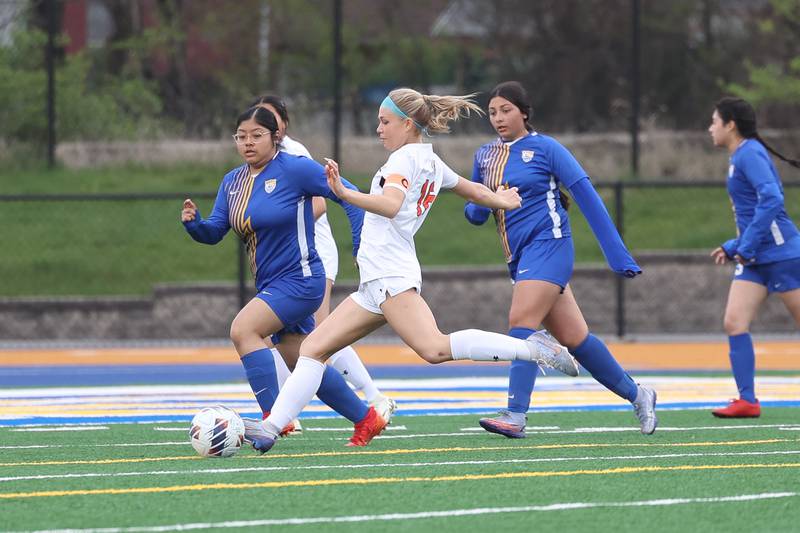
(777, 80)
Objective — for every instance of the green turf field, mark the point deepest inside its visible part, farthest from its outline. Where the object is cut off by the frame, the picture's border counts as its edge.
(427, 475)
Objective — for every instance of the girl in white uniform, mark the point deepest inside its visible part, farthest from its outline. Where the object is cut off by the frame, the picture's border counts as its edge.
(346, 360)
(401, 195)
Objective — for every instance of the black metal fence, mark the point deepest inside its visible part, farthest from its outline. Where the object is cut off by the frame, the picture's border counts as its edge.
(93, 245)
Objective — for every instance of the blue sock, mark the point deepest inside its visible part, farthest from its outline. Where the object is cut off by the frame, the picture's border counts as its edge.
(521, 377)
(337, 394)
(594, 356)
(743, 364)
(260, 369)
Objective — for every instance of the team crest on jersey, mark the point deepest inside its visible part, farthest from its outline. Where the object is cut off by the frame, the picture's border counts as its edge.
(527, 155)
(269, 185)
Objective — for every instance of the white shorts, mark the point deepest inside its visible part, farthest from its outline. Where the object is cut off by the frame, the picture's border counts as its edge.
(373, 293)
(326, 247)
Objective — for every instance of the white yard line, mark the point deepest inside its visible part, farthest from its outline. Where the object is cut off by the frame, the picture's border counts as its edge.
(397, 517)
(594, 458)
(529, 428)
(469, 431)
(305, 428)
(114, 445)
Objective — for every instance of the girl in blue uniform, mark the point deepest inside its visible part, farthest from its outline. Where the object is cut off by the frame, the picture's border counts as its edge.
(267, 202)
(766, 248)
(538, 246)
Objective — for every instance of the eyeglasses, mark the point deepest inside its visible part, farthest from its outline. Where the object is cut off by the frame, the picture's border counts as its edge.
(255, 137)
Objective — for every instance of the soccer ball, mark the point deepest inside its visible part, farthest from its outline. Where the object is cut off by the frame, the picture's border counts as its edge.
(216, 432)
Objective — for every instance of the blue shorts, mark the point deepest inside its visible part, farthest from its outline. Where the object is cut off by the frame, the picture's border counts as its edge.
(780, 276)
(549, 260)
(294, 300)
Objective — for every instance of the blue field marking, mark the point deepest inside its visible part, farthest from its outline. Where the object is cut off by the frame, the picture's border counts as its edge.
(156, 418)
(98, 375)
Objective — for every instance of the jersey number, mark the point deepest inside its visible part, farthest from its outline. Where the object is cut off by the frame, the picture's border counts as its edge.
(426, 197)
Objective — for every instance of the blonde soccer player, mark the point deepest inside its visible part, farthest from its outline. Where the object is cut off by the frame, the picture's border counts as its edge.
(400, 198)
(346, 360)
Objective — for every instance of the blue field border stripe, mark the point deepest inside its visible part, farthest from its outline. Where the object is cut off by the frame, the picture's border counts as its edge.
(149, 419)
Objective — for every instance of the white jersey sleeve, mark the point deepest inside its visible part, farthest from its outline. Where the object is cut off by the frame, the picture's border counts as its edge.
(449, 177)
(400, 164)
(292, 147)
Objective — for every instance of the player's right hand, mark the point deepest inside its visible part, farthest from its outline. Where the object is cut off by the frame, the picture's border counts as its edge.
(189, 212)
(719, 256)
(510, 197)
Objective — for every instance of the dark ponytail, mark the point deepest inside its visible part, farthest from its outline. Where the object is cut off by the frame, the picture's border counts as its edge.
(276, 102)
(744, 116)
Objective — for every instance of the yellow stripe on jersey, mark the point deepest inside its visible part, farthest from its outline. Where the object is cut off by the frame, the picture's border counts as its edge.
(243, 183)
(498, 157)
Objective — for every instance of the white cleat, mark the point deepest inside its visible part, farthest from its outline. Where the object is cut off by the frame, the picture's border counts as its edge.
(547, 352)
(385, 407)
(644, 406)
(297, 427)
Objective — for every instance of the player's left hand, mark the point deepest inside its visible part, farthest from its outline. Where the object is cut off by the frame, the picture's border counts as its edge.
(334, 179)
(719, 256)
(741, 260)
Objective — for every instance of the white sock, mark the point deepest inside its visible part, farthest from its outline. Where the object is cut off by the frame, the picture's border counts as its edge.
(280, 368)
(349, 365)
(479, 345)
(296, 393)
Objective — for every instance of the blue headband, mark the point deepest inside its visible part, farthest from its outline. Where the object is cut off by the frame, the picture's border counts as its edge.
(391, 106)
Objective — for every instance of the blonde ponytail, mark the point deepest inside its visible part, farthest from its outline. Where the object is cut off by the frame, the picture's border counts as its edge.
(433, 112)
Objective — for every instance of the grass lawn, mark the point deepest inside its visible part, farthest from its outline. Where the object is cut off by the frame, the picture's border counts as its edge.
(124, 247)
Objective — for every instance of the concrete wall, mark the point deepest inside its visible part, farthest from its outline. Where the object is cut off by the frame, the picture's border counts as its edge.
(605, 156)
(678, 293)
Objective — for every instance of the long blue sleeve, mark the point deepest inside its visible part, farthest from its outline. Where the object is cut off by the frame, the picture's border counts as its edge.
(476, 214)
(592, 207)
(770, 202)
(214, 228)
(315, 183)
(729, 247)
(354, 214)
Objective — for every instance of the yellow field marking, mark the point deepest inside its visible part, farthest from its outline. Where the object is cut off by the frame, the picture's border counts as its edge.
(411, 451)
(368, 481)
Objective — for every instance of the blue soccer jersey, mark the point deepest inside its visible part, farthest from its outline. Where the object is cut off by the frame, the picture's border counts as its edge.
(537, 165)
(272, 214)
(765, 233)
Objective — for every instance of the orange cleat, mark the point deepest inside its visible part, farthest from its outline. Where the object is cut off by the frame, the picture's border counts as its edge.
(739, 409)
(289, 429)
(367, 429)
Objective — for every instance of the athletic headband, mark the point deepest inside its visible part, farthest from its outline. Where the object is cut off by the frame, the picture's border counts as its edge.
(391, 106)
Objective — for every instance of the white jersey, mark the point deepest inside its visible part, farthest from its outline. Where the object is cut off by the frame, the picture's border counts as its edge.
(387, 244)
(323, 236)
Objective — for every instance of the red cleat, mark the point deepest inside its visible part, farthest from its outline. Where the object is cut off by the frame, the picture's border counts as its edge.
(367, 429)
(286, 431)
(739, 409)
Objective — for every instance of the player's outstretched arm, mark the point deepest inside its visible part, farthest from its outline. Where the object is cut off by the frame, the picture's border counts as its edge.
(592, 207)
(479, 194)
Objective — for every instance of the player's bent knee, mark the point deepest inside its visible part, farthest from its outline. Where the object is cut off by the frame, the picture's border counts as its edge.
(312, 348)
(735, 325)
(434, 351)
